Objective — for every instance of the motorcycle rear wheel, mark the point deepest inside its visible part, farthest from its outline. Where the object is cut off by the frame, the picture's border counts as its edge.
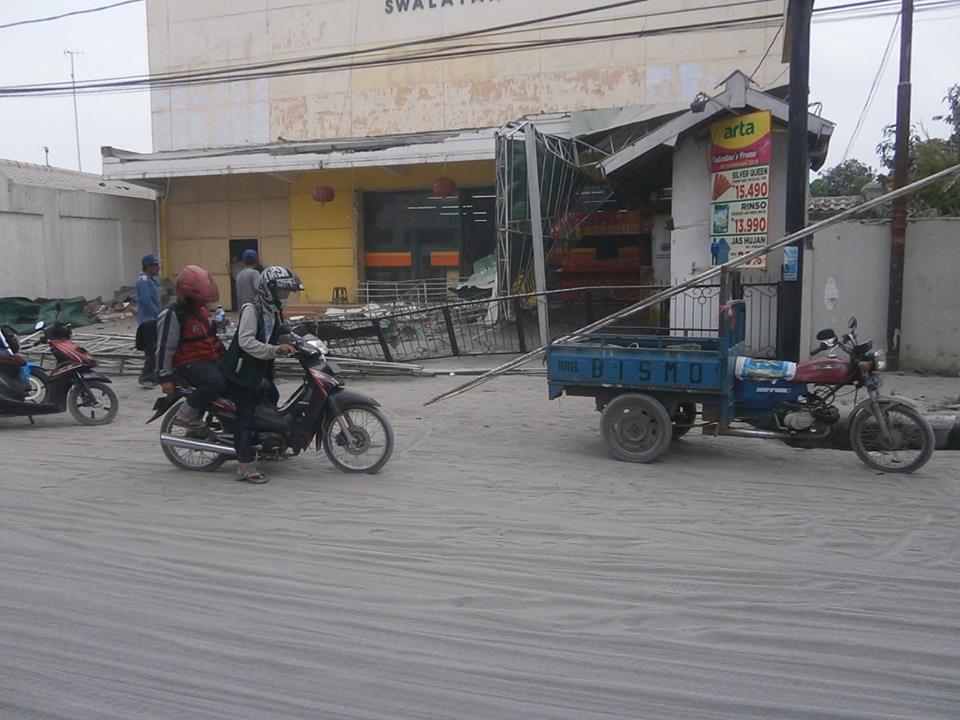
(371, 431)
(909, 447)
(183, 458)
(101, 412)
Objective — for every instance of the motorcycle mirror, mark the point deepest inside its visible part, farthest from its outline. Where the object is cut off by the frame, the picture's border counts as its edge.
(827, 334)
(853, 323)
(39, 325)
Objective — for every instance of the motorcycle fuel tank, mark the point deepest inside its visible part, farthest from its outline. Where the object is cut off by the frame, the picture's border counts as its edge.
(828, 371)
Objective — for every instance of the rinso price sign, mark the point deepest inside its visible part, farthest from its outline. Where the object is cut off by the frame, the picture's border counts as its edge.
(740, 155)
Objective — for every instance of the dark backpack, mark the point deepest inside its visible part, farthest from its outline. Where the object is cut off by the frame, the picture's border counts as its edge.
(11, 338)
(243, 369)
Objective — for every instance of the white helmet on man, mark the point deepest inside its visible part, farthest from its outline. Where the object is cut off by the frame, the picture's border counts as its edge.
(274, 279)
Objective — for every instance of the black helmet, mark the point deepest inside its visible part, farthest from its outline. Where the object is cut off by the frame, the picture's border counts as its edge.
(58, 331)
(272, 280)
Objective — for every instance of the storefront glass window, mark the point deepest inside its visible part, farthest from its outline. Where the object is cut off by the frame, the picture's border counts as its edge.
(418, 235)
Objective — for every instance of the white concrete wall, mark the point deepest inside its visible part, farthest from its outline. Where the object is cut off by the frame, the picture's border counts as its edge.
(931, 298)
(479, 91)
(851, 277)
(65, 243)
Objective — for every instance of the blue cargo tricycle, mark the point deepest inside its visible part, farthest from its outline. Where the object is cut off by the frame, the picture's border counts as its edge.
(653, 389)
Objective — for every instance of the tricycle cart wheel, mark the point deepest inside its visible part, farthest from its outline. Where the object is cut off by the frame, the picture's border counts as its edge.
(683, 419)
(637, 428)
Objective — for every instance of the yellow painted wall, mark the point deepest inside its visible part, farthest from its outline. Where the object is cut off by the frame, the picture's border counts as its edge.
(201, 215)
(325, 246)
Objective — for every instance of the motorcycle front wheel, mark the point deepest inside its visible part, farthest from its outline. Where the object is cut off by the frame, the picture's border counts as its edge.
(37, 385)
(369, 446)
(908, 447)
(99, 408)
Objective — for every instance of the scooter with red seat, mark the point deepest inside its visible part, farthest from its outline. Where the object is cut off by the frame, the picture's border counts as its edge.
(73, 385)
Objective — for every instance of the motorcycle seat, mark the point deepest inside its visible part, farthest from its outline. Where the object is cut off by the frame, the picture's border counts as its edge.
(756, 369)
(13, 360)
(220, 403)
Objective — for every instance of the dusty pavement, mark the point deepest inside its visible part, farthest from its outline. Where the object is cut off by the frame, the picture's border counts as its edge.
(502, 566)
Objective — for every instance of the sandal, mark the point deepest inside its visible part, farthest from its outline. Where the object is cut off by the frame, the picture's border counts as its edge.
(252, 475)
(186, 421)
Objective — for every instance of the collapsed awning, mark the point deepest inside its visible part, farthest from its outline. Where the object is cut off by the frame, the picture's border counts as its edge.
(738, 95)
(280, 157)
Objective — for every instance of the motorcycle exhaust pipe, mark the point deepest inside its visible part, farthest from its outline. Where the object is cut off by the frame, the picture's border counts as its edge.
(760, 434)
(191, 444)
(713, 429)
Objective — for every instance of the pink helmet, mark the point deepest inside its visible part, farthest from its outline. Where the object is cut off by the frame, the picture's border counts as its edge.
(195, 283)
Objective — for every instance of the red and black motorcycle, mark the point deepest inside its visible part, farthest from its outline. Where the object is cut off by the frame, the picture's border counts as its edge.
(73, 384)
(349, 425)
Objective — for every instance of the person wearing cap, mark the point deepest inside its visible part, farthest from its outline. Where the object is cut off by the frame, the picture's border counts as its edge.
(247, 278)
(148, 298)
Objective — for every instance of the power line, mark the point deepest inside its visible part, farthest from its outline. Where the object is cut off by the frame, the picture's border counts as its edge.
(241, 73)
(873, 90)
(496, 29)
(172, 79)
(68, 14)
(251, 72)
(490, 31)
(769, 48)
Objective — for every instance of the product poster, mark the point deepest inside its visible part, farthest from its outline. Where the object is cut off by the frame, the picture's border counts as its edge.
(740, 153)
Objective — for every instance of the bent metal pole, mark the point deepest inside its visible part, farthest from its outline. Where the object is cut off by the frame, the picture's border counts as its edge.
(706, 275)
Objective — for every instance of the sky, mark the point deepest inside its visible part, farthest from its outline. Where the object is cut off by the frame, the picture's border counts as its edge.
(845, 57)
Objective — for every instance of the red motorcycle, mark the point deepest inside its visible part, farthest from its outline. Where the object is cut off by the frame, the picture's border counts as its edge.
(73, 384)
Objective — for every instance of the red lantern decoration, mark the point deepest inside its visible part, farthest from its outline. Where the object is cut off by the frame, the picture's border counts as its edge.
(444, 186)
(323, 194)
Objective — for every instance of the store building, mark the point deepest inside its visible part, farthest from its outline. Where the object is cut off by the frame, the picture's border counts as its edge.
(387, 171)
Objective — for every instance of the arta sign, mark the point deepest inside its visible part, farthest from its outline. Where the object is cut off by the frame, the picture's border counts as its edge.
(740, 152)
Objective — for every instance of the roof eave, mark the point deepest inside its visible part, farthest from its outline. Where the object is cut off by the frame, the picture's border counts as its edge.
(670, 133)
(293, 157)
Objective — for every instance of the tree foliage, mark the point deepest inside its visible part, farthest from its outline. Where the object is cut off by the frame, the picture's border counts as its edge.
(847, 178)
(927, 156)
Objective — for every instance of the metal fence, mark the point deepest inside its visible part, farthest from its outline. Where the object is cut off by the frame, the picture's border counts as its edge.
(509, 325)
(431, 291)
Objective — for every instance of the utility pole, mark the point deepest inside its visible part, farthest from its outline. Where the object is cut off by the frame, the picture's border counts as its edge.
(901, 168)
(790, 304)
(76, 116)
(46, 155)
(536, 228)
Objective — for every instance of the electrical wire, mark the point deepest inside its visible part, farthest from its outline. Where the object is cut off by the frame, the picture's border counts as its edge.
(872, 93)
(491, 31)
(250, 72)
(35, 21)
(92, 87)
(226, 69)
(769, 48)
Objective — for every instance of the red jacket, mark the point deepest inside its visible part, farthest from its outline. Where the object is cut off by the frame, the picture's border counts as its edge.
(185, 335)
(198, 338)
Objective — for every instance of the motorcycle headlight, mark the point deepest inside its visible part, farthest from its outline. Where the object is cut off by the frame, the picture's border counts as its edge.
(880, 359)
